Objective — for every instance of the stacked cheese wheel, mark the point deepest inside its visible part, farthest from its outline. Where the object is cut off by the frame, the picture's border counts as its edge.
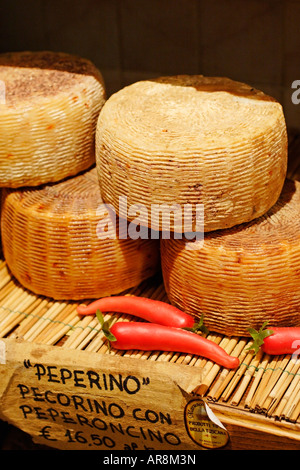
(48, 116)
(57, 237)
(191, 140)
(61, 241)
(240, 277)
(194, 140)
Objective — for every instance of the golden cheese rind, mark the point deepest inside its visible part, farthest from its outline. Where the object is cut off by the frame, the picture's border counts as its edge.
(243, 276)
(193, 140)
(60, 242)
(48, 116)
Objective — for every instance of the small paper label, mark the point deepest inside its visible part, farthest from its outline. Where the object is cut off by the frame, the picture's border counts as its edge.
(203, 427)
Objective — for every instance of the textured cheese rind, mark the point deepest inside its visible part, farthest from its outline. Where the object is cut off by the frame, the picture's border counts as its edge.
(193, 140)
(48, 118)
(243, 276)
(53, 245)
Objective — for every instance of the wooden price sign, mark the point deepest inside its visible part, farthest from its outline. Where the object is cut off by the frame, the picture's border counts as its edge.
(70, 399)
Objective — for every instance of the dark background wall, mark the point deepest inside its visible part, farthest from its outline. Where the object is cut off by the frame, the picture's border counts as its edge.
(256, 41)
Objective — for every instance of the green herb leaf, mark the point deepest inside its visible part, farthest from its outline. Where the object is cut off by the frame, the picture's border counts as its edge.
(198, 326)
(105, 326)
(258, 337)
(100, 317)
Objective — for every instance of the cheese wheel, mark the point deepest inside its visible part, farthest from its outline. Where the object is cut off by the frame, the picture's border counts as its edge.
(60, 241)
(48, 114)
(242, 276)
(192, 140)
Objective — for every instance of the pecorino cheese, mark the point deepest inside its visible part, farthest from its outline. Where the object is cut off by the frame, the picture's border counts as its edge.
(48, 114)
(61, 241)
(243, 276)
(190, 140)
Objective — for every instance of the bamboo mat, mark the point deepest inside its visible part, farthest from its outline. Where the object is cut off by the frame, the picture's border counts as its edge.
(269, 385)
(263, 384)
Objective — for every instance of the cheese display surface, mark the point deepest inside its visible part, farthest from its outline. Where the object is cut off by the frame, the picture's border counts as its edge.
(48, 114)
(193, 140)
(60, 241)
(242, 276)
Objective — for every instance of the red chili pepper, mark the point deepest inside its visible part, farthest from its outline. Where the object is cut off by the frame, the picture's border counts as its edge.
(277, 340)
(151, 310)
(154, 337)
(284, 340)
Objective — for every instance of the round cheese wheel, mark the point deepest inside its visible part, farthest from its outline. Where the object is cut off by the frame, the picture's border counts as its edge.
(61, 241)
(49, 107)
(192, 140)
(243, 276)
